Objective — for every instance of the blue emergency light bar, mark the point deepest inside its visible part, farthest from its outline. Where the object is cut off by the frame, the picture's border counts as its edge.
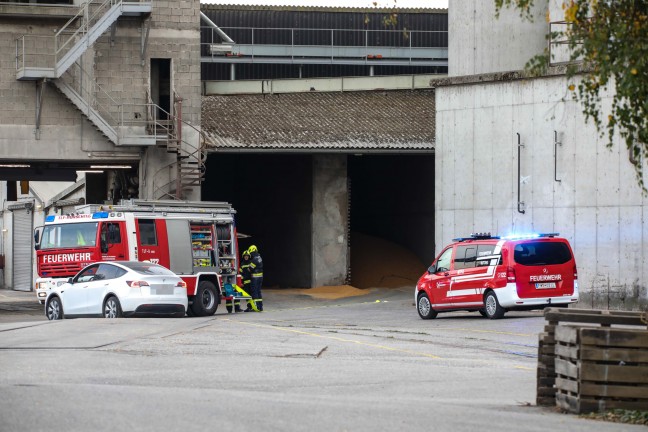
(488, 236)
(100, 215)
(529, 236)
(49, 218)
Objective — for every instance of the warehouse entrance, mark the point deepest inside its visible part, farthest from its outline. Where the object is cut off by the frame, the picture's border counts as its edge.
(392, 219)
(391, 214)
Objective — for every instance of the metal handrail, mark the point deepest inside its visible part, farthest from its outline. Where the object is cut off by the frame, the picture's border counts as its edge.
(330, 40)
(193, 152)
(90, 92)
(520, 203)
(98, 9)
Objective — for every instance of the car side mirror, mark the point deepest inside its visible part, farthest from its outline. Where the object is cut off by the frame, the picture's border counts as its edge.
(104, 246)
(70, 281)
(432, 269)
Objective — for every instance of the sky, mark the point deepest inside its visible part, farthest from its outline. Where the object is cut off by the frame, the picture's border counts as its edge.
(340, 3)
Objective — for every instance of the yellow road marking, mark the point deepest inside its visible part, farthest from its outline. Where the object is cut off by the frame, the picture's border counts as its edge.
(525, 368)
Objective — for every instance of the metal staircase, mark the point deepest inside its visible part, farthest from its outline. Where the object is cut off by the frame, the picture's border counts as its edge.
(188, 168)
(58, 59)
(39, 57)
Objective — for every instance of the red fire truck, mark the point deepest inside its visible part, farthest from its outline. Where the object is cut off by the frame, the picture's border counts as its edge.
(195, 240)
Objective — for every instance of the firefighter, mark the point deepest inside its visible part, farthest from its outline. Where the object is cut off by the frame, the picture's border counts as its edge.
(256, 269)
(244, 271)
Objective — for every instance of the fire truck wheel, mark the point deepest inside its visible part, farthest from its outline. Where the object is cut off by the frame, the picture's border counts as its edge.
(493, 308)
(206, 301)
(112, 309)
(54, 309)
(424, 307)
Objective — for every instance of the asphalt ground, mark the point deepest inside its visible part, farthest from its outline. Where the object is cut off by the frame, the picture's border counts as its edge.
(358, 363)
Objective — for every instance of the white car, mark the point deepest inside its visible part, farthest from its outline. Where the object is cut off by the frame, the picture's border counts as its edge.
(116, 289)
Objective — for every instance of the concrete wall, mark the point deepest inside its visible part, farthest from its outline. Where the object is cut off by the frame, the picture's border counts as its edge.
(481, 43)
(117, 67)
(330, 247)
(597, 204)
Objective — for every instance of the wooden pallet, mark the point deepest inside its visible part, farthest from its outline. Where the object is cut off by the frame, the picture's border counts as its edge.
(556, 317)
(601, 368)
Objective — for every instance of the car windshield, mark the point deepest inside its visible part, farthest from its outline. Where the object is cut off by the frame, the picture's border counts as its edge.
(541, 253)
(69, 235)
(148, 268)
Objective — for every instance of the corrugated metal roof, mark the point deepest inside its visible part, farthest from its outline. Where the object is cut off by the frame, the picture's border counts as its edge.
(208, 6)
(376, 121)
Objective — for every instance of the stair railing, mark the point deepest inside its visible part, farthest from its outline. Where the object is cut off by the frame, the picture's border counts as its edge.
(188, 157)
(94, 96)
(89, 13)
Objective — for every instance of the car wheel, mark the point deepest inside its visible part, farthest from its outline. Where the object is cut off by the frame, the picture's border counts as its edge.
(493, 309)
(54, 309)
(482, 312)
(206, 299)
(111, 308)
(424, 307)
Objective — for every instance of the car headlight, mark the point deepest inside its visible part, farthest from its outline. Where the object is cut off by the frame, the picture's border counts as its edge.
(42, 285)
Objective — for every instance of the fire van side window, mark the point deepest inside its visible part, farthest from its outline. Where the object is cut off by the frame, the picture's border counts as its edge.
(148, 235)
(465, 257)
(443, 263)
(483, 252)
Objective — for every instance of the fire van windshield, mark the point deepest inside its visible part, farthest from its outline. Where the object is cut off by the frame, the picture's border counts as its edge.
(69, 235)
(541, 253)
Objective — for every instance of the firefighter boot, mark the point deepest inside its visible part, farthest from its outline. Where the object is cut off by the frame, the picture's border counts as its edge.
(237, 307)
(259, 304)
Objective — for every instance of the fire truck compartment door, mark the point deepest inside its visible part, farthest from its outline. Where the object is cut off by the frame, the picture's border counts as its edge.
(180, 253)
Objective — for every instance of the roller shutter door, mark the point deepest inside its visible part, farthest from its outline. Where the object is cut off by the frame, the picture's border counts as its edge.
(22, 250)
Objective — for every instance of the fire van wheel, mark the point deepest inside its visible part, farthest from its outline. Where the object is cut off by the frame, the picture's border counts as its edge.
(424, 307)
(112, 308)
(54, 309)
(493, 309)
(206, 300)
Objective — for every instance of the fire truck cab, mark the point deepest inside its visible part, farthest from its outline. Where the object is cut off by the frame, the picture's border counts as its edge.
(195, 240)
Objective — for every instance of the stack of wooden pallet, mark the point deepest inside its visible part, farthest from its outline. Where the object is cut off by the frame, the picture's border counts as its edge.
(592, 366)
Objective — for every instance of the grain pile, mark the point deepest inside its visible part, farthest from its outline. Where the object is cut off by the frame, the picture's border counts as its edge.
(379, 263)
(375, 263)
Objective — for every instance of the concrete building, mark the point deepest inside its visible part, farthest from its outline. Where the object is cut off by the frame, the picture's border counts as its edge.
(111, 87)
(515, 154)
(96, 88)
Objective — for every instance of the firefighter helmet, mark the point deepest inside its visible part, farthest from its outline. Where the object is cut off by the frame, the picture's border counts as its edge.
(252, 249)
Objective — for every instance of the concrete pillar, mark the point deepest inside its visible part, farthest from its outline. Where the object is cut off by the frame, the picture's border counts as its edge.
(330, 219)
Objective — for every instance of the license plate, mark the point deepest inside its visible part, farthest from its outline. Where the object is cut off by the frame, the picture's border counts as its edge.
(545, 285)
(162, 290)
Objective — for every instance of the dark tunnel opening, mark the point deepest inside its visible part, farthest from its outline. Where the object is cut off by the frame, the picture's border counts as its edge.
(273, 200)
(391, 213)
(392, 218)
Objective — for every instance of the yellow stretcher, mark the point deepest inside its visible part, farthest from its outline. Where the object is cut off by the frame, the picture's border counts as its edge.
(234, 292)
